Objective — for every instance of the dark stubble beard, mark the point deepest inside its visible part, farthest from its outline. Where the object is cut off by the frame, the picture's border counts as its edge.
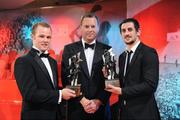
(130, 43)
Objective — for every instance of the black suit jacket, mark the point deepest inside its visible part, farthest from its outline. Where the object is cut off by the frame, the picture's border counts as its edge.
(39, 95)
(139, 84)
(92, 86)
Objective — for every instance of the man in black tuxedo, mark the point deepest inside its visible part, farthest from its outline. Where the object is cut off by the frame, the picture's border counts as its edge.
(37, 79)
(138, 74)
(91, 104)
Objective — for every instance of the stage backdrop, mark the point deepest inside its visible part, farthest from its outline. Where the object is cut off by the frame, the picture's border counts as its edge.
(160, 26)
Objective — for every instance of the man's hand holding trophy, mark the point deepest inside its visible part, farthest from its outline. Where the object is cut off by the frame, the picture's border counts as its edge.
(109, 68)
(74, 70)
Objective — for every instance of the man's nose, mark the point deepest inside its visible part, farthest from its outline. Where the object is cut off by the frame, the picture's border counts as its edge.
(91, 28)
(126, 32)
(46, 39)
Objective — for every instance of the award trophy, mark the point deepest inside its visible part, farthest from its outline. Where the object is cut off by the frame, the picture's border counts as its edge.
(74, 70)
(110, 67)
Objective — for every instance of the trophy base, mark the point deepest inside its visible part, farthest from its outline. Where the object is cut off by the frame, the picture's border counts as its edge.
(76, 88)
(114, 82)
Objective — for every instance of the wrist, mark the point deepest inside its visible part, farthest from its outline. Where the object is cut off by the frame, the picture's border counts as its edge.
(83, 100)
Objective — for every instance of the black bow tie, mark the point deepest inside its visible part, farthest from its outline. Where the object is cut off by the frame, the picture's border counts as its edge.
(89, 46)
(44, 55)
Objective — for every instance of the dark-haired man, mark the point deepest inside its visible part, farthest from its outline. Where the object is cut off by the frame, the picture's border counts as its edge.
(138, 74)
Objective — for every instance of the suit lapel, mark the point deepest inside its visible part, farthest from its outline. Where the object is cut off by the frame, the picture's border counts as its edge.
(134, 57)
(122, 63)
(53, 68)
(97, 55)
(122, 60)
(42, 66)
(83, 64)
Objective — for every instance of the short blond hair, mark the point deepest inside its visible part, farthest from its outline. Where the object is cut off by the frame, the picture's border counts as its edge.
(43, 24)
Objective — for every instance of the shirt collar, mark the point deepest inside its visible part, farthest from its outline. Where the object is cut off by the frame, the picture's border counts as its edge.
(46, 52)
(83, 42)
(133, 49)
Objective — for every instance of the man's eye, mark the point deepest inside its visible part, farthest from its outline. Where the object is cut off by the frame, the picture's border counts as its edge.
(93, 26)
(86, 26)
(123, 30)
(49, 37)
(41, 36)
(130, 29)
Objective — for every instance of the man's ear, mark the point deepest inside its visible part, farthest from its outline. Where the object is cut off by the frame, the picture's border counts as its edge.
(32, 37)
(139, 32)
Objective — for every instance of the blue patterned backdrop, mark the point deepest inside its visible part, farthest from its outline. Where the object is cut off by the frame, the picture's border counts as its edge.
(168, 91)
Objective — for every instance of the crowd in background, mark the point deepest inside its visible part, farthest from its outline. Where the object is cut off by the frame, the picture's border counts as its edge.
(13, 41)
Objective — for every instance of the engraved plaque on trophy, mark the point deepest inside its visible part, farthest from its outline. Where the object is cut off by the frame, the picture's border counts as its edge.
(110, 67)
(74, 70)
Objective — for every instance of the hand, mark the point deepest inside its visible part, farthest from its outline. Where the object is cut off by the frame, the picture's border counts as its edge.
(105, 72)
(85, 102)
(68, 93)
(95, 104)
(113, 89)
(90, 106)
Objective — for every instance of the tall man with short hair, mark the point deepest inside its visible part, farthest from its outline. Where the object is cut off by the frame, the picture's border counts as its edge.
(91, 104)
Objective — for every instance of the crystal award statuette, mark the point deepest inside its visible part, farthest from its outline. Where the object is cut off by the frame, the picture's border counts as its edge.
(74, 70)
(110, 67)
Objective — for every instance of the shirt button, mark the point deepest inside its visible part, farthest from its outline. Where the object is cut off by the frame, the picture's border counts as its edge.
(124, 102)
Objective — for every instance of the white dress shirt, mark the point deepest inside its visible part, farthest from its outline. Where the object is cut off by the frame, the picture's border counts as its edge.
(89, 53)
